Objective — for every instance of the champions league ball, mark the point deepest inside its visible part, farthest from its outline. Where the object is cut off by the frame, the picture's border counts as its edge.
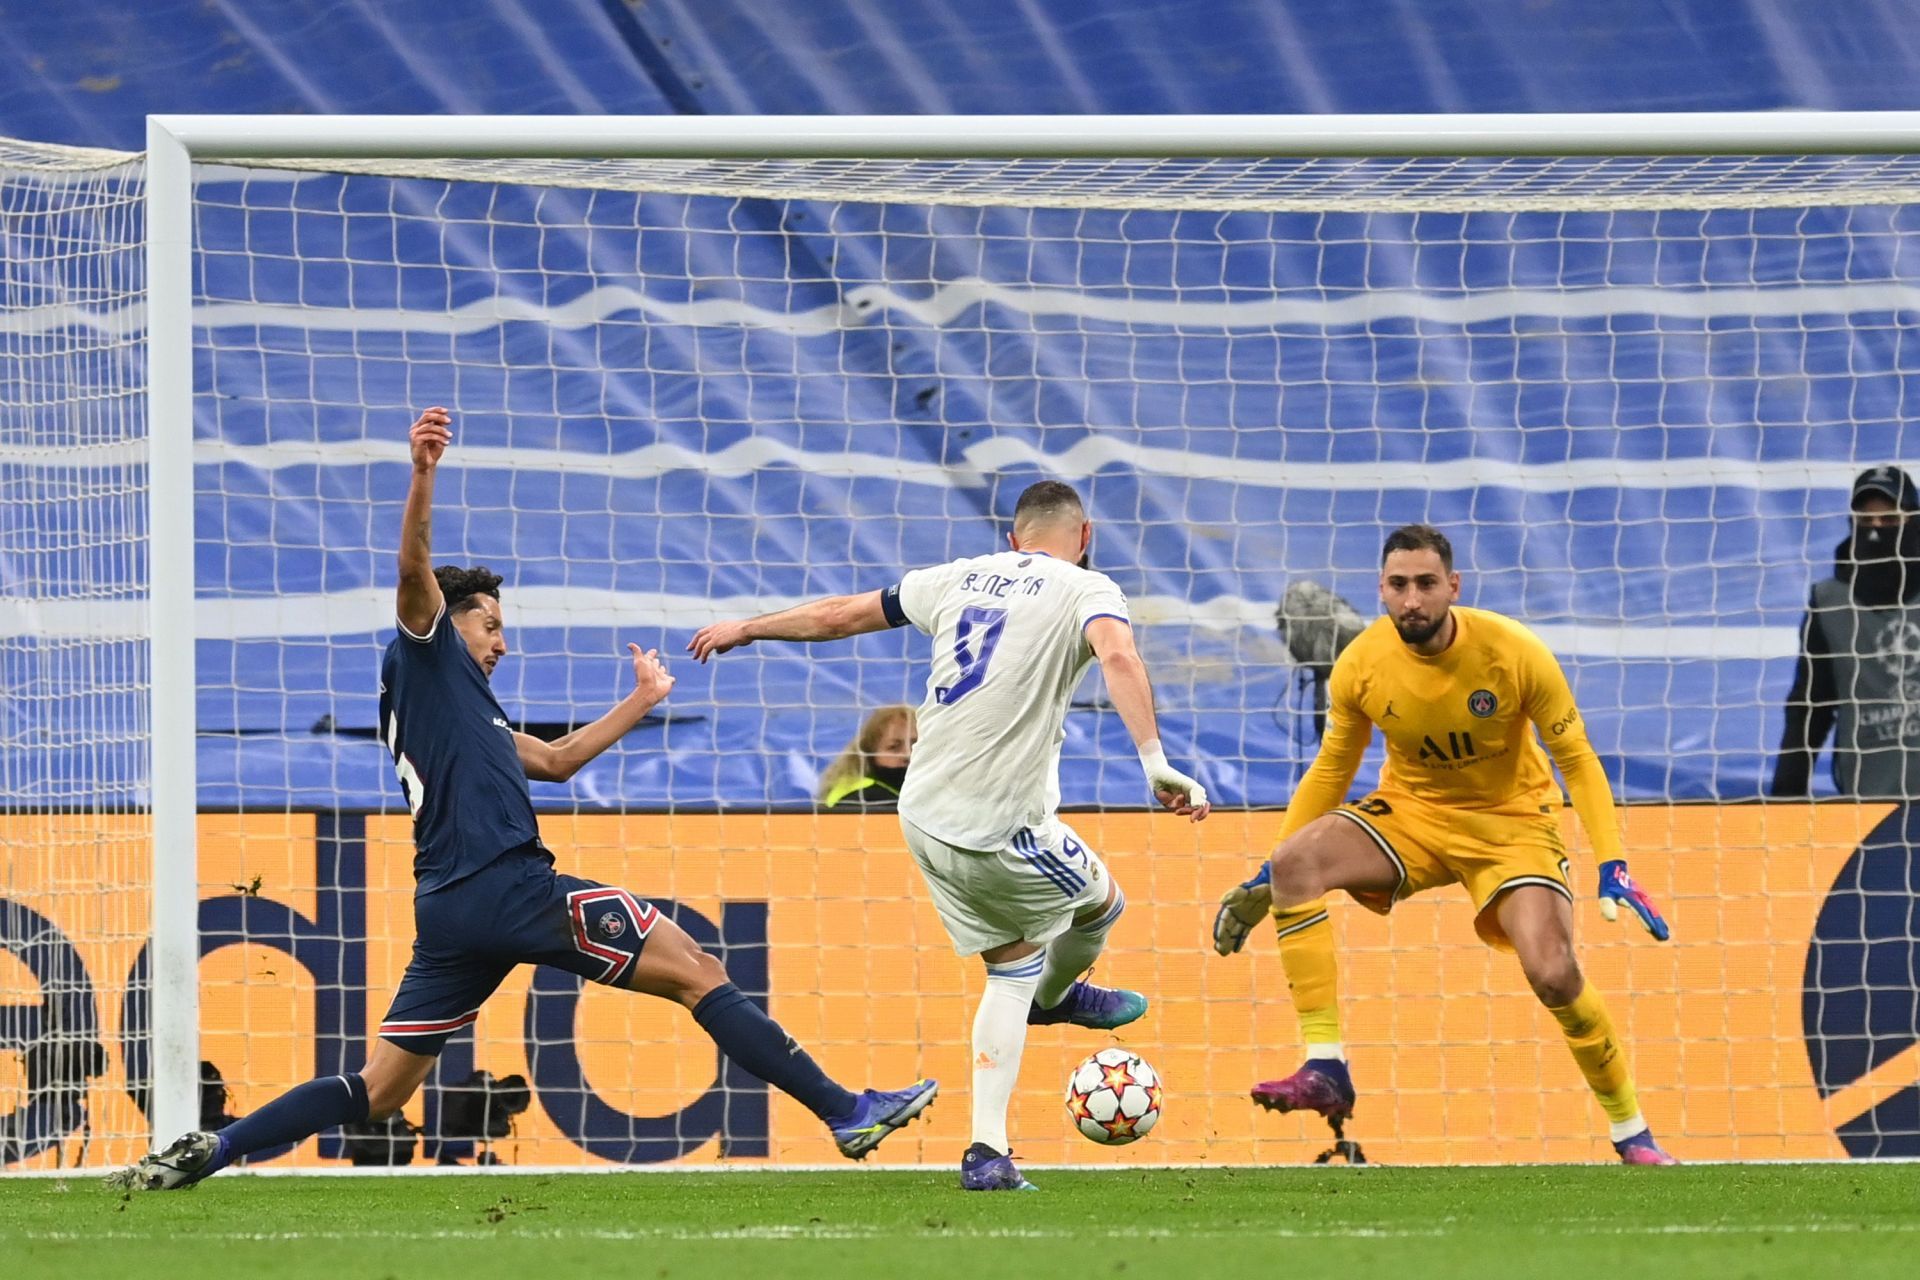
(1113, 1098)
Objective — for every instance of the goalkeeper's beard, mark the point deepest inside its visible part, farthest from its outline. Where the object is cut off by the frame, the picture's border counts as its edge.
(1420, 630)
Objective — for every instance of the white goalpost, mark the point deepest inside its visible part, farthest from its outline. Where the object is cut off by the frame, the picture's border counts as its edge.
(705, 366)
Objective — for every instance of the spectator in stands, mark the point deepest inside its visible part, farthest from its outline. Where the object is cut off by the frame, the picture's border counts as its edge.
(868, 774)
(1859, 666)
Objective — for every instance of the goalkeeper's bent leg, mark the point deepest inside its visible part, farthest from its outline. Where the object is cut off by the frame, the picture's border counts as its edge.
(1306, 952)
(1596, 1047)
(1332, 852)
(1313, 973)
(1538, 923)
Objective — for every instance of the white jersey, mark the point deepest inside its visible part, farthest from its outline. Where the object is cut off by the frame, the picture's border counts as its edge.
(1009, 648)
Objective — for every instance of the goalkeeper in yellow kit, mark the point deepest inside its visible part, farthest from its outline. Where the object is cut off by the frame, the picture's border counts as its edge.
(1466, 795)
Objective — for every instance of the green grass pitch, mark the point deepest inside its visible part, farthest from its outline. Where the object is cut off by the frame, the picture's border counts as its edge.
(1558, 1223)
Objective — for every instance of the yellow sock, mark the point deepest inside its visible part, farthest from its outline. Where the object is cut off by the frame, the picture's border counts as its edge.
(1306, 951)
(1602, 1058)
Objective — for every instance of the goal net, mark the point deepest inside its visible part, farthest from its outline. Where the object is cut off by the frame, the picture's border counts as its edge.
(74, 843)
(1634, 391)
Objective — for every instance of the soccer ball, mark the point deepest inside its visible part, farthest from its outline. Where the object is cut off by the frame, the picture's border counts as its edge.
(1113, 1098)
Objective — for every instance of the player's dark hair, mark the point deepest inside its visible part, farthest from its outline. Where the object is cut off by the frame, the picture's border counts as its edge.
(1419, 537)
(464, 587)
(1047, 501)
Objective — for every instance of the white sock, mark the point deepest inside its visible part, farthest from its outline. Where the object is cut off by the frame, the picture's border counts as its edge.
(1073, 953)
(999, 1037)
(1621, 1130)
(1331, 1049)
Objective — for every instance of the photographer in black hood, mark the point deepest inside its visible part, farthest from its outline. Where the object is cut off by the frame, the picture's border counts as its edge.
(1859, 668)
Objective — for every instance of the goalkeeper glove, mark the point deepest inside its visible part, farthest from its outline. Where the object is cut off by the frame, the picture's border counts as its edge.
(1241, 908)
(1616, 887)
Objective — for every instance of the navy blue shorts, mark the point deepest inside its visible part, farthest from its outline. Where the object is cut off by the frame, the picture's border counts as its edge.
(517, 910)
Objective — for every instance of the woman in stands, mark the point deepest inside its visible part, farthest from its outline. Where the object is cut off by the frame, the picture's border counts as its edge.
(868, 773)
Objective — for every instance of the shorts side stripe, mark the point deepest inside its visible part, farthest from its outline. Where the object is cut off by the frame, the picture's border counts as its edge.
(1546, 881)
(429, 1028)
(1029, 851)
(1053, 875)
(1067, 873)
(1055, 861)
(1385, 846)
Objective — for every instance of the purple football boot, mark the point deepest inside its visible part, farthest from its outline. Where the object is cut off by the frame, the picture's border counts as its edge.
(984, 1169)
(1642, 1149)
(1322, 1085)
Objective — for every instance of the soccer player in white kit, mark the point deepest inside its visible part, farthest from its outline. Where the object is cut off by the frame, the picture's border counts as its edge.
(1013, 634)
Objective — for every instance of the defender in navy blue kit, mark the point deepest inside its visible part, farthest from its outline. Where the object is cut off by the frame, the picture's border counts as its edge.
(487, 897)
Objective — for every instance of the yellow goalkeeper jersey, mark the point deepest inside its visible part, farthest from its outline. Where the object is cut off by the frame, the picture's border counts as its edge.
(1459, 727)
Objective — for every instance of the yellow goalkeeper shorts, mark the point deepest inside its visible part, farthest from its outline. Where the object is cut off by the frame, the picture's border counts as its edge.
(1488, 852)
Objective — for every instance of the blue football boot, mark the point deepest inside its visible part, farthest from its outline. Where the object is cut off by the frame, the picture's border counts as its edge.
(877, 1113)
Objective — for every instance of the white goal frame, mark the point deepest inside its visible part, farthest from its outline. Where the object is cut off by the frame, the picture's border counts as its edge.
(176, 142)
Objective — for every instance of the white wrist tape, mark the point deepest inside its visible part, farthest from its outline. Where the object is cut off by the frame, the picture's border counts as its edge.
(1152, 759)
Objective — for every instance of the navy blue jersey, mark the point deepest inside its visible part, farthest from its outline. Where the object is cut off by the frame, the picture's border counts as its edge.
(454, 752)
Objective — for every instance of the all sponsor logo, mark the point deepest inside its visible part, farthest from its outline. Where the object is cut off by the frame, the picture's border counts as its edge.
(313, 942)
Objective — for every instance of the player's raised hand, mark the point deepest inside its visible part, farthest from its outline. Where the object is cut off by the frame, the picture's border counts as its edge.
(431, 434)
(718, 637)
(651, 679)
(1616, 887)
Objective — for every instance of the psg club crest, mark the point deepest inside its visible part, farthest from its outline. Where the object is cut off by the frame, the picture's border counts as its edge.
(1481, 703)
(611, 925)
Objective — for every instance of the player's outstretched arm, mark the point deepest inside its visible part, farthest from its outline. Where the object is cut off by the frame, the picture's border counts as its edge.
(831, 618)
(560, 759)
(1551, 707)
(418, 601)
(1112, 643)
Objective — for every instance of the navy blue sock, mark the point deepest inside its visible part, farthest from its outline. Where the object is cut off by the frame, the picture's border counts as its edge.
(753, 1040)
(298, 1113)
